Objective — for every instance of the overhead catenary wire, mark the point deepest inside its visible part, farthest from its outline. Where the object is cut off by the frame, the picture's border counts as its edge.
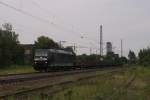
(21, 27)
(24, 12)
(54, 16)
(33, 16)
(36, 17)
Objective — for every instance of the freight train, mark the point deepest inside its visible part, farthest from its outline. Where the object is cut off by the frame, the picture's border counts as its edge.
(61, 59)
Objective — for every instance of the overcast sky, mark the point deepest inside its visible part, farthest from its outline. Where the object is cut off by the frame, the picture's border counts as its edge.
(69, 20)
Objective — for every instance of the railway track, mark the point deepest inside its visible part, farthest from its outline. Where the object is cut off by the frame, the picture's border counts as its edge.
(14, 78)
(35, 76)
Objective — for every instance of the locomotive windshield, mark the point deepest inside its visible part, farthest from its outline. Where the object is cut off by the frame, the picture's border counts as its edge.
(41, 53)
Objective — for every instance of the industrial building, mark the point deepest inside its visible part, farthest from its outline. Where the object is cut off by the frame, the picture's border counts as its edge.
(109, 47)
(28, 53)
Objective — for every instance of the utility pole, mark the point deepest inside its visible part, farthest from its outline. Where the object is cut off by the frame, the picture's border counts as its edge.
(90, 50)
(60, 43)
(101, 40)
(75, 48)
(121, 47)
(96, 52)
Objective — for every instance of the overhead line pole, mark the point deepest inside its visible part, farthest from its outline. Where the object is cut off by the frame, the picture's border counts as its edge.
(121, 48)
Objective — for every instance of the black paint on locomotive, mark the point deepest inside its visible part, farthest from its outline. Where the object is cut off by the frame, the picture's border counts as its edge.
(53, 59)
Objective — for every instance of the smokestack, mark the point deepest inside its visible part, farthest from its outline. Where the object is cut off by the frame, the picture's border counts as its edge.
(101, 40)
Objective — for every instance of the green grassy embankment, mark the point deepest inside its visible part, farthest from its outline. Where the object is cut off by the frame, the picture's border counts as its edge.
(16, 69)
(131, 84)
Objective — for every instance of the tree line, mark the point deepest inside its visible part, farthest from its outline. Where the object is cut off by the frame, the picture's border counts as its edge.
(143, 58)
(12, 52)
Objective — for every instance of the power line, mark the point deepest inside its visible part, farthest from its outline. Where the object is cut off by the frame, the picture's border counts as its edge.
(47, 11)
(36, 17)
(31, 15)
(24, 12)
(21, 26)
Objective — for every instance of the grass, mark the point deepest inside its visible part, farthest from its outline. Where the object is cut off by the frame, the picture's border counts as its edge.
(111, 87)
(130, 84)
(16, 69)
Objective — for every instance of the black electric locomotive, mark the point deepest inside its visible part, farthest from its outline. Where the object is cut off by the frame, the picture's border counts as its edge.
(53, 59)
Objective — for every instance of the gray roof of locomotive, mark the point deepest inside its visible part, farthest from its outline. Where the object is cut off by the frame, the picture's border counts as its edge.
(60, 51)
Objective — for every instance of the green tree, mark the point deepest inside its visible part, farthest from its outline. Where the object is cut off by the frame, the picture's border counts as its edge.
(144, 57)
(9, 46)
(132, 57)
(124, 60)
(7, 27)
(45, 43)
